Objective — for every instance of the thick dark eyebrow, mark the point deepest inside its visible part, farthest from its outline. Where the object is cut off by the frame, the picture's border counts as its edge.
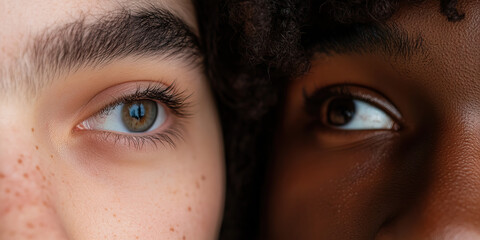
(144, 32)
(361, 39)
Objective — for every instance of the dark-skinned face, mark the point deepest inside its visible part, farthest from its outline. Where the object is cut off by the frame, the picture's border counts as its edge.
(382, 141)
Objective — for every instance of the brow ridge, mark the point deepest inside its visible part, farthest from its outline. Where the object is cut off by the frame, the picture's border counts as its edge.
(144, 32)
(389, 40)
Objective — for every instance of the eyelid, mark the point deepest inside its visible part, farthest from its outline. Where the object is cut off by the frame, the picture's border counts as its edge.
(176, 103)
(317, 98)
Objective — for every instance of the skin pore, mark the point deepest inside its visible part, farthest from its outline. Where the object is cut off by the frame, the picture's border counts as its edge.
(380, 138)
(70, 169)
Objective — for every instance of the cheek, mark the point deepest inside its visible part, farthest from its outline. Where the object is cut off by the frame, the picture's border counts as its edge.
(28, 207)
(349, 193)
(176, 193)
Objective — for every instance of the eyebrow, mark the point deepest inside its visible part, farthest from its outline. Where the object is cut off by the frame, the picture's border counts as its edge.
(389, 40)
(144, 32)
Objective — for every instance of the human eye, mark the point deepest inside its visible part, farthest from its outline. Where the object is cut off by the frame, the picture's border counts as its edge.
(150, 113)
(350, 108)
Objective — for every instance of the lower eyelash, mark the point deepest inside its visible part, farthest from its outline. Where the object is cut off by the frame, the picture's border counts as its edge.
(168, 137)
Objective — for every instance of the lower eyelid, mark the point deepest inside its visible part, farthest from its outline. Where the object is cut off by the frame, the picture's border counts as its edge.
(360, 140)
(168, 136)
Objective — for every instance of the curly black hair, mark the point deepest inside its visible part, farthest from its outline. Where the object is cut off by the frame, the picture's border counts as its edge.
(252, 49)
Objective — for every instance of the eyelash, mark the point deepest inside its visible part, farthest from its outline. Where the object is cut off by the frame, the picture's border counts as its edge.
(169, 96)
(314, 101)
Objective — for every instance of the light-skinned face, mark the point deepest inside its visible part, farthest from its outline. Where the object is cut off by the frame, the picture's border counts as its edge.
(381, 139)
(108, 128)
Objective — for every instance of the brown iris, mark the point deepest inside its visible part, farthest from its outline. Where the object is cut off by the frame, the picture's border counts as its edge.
(340, 111)
(139, 116)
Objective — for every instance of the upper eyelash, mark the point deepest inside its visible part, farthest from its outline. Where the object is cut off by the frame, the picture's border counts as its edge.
(177, 101)
(314, 100)
(317, 98)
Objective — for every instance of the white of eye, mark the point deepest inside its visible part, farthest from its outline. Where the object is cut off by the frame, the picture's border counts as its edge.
(367, 117)
(112, 120)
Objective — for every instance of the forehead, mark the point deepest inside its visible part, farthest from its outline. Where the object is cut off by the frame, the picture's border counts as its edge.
(21, 20)
(452, 47)
(426, 19)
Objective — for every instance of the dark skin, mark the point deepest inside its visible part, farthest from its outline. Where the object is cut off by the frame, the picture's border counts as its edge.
(413, 173)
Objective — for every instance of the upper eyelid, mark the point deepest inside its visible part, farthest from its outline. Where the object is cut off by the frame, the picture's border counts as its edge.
(177, 101)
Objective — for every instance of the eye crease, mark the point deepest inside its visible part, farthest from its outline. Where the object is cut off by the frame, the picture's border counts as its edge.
(344, 108)
(151, 113)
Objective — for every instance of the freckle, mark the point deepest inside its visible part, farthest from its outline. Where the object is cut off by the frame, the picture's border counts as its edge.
(51, 156)
(183, 238)
(44, 178)
(17, 194)
(203, 178)
(30, 225)
(136, 237)
(197, 184)
(25, 175)
(7, 190)
(33, 130)
(19, 161)
(36, 147)
(106, 209)
(2, 175)
(37, 167)
(189, 209)
(172, 229)
(114, 215)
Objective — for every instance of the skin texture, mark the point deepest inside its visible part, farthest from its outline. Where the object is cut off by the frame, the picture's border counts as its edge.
(420, 181)
(58, 182)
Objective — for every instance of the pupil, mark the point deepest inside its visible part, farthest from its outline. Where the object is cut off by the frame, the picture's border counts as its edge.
(340, 111)
(137, 111)
(139, 116)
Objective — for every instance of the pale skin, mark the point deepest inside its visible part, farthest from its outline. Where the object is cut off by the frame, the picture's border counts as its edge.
(62, 181)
